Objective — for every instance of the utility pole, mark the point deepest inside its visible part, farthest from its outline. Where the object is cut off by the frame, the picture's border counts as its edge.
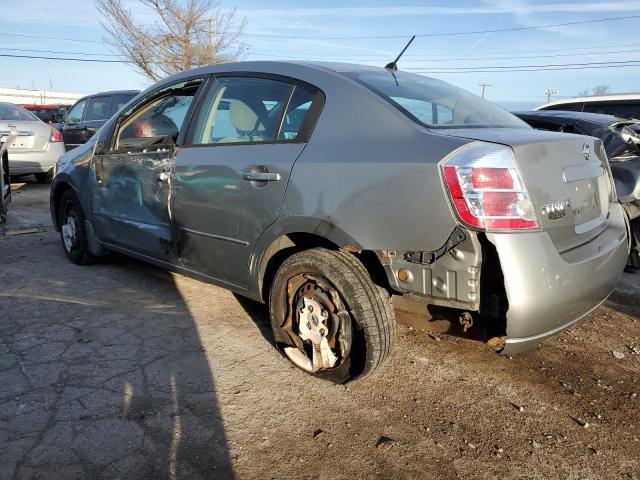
(484, 86)
(50, 77)
(548, 92)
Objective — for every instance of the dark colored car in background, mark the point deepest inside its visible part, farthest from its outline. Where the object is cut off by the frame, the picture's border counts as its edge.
(621, 141)
(89, 113)
(47, 113)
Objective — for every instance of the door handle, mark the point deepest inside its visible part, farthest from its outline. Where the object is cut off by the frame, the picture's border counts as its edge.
(261, 176)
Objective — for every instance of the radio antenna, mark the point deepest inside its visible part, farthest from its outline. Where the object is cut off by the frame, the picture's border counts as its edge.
(393, 66)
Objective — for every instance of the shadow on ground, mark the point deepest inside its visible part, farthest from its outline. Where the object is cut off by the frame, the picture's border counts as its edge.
(102, 372)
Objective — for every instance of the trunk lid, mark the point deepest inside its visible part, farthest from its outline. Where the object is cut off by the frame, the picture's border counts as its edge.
(32, 136)
(566, 175)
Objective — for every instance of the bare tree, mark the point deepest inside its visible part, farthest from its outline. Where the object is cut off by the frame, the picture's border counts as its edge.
(185, 34)
(583, 93)
(601, 89)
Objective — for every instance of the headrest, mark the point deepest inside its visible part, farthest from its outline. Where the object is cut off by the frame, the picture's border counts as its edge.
(243, 118)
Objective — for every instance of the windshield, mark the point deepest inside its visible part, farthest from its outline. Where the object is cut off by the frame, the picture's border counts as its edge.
(10, 112)
(434, 103)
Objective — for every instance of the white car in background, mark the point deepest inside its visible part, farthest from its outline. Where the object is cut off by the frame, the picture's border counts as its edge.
(37, 146)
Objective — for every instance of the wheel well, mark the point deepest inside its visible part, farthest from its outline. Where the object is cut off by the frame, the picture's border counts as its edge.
(286, 245)
(57, 195)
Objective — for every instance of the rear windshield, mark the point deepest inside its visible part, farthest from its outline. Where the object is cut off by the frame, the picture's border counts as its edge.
(434, 103)
(13, 112)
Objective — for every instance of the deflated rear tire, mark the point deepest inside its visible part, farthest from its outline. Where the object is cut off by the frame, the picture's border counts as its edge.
(72, 232)
(328, 317)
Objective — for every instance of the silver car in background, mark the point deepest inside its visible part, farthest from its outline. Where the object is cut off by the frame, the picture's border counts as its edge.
(37, 146)
(324, 189)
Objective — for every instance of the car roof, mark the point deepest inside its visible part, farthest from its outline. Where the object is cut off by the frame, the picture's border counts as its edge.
(617, 97)
(112, 92)
(600, 118)
(299, 69)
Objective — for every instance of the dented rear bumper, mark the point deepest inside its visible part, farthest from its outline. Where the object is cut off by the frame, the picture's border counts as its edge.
(548, 291)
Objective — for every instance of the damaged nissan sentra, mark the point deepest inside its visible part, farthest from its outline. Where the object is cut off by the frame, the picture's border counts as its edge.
(324, 189)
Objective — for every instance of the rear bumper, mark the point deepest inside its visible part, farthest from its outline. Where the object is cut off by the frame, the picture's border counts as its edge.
(548, 291)
(23, 163)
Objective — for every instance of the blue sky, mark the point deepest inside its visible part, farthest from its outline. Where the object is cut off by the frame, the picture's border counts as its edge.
(311, 24)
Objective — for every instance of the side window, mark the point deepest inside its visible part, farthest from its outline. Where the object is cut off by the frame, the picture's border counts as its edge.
(98, 109)
(75, 114)
(119, 101)
(297, 112)
(158, 120)
(444, 114)
(430, 113)
(420, 109)
(627, 110)
(242, 110)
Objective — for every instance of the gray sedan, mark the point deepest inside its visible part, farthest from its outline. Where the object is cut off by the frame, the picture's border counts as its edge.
(37, 146)
(324, 189)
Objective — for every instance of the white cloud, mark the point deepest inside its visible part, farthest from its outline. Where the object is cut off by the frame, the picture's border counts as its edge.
(490, 8)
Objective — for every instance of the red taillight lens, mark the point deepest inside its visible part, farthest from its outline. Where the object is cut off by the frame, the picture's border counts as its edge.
(483, 177)
(486, 188)
(56, 136)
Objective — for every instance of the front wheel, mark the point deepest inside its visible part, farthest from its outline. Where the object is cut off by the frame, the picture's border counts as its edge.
(328, 317)
(72, 232)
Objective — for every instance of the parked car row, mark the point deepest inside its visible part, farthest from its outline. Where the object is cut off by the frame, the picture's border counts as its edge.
(325, 189)
(44, 134)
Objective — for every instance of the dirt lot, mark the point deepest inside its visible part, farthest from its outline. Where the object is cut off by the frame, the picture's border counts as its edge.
(121, 370)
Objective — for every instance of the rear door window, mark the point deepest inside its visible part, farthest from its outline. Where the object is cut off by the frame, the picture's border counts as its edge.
(250, 110)
(242, 110)
(98, 109)
(297, 114)
(119, 101)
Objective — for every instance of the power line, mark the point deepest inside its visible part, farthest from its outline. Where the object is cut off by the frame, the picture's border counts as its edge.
(24, 35)
(97, 60)
(443, 34)
(62, 52)
(546, 50)
(477, 69)
(474, 57)
(589, 67)
(506, 67)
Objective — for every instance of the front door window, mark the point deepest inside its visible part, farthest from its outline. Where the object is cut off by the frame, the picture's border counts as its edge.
(133, 178)
(75, 114)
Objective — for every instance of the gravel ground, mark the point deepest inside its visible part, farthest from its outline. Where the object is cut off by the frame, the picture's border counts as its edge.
(121, 370)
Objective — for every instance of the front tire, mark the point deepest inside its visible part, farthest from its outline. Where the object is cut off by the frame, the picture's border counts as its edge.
(72, 232)
(328, 317)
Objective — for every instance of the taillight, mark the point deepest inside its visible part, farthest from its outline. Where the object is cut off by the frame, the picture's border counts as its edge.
(611, 184)
(486, 188)
(56, 136)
